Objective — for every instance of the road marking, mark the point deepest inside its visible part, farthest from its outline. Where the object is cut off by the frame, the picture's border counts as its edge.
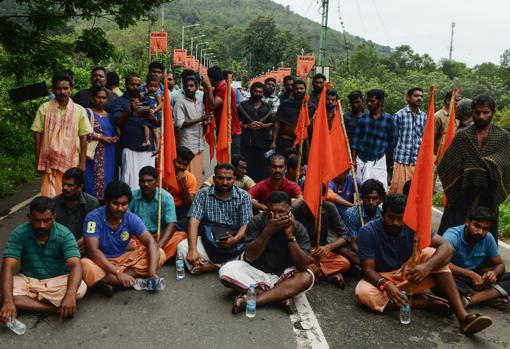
(19, 206)
(308, 331)
(500, 243)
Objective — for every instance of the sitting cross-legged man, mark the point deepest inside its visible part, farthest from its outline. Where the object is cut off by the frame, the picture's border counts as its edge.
(478, 282)
(107, 232)
(276, 257)
(385, 251)
(50, 275)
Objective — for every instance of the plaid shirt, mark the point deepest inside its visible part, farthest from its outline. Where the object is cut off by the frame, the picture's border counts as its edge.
(352, 221)
(234, 211)
(374, 138)
(409, 130)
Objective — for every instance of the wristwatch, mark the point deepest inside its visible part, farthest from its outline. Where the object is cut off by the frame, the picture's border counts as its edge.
(381, 284)
(292, 239)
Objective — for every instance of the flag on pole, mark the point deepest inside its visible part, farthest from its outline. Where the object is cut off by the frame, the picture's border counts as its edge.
(339, 143)
(222, 146)
(303, 122)
(321, 167)
(418, 211)
(170, 151)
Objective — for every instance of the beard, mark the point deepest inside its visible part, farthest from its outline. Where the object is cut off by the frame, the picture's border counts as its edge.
(298, 96)
(330, 107)
(256, 98)
(133, 93)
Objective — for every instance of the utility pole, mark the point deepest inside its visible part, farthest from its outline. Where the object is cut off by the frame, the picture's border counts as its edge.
(323, 10)
(451, 42)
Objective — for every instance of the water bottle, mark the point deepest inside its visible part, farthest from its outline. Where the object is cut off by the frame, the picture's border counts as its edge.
(150, 284)
(251, 302)
(17, 326)
(405, 312)
(179, 267)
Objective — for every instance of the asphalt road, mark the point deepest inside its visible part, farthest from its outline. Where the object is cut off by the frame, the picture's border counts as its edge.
(195, 313)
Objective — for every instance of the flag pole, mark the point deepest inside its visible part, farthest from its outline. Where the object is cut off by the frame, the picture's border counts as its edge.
(161, 159)
(319, 221)
(229, 106)
(353, 171)
(300, 153)
(443, 135)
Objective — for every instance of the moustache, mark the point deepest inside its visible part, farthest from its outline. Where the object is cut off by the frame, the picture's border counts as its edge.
(41, 231)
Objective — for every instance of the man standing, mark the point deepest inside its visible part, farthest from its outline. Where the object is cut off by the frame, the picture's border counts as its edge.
(475, 170)
(97, 78)
(157, 68)
(113, 83)
(288, 84)
(276, 257)
(351, 117)
(318, 82)
(219, 214)
(256, 117)
(191, 120)
(108, 231)
(130, 122)
(409, 126)
(215, 90)
(474, 247)
(269, 95)
(262, 190)
(463, 114)
(441, 118)
(375, 136)
(60, 128)
(145, 204)
(73, 205)
(385, 250)
(50, 274)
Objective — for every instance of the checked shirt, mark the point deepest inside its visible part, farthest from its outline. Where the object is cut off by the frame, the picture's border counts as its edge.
(374, 138)
(409, 130)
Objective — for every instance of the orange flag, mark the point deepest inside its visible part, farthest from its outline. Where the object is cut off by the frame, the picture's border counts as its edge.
(418, 212)
(223, 138)
(303, 122)
(339, 143)
(321, 167)
(209, 132)
(168, 137)
(450, 130)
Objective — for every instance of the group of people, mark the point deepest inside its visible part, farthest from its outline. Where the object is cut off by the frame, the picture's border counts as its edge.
(95, 227)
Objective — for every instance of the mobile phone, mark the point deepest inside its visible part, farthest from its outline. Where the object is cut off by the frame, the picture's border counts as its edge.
(269, 153)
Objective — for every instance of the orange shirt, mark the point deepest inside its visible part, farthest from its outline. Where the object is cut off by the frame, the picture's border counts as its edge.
(191, 181)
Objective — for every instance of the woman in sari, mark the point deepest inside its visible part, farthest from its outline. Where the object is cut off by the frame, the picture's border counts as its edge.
(100, 170)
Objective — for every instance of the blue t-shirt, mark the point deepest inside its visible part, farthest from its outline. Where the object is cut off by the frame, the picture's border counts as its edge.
(112, 243)
(465, 257)
(389, 252)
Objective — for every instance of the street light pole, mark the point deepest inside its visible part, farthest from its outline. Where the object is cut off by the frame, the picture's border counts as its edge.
(195, 37)
(187, 26)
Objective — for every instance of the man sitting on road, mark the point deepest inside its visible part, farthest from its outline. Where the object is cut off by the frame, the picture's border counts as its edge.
(262, 190)
(243, 181)
(145, 205)
(220, 214)
(107, 232)
(473, 248)
(385, 250)
(276, 257)
(74, 204)
(50, 276)
(329, 262)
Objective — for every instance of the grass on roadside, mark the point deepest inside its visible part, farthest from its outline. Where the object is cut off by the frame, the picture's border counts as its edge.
(15, 171)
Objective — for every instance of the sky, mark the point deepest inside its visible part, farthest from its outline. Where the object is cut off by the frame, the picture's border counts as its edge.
(482, 28)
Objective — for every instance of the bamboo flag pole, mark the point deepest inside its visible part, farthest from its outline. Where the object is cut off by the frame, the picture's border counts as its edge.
(353, 171)
(229, 106)
(161, 159)
(445, 132)
(300, 153)
(319, 220)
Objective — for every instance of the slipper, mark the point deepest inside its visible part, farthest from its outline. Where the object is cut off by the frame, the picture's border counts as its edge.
(286, 305)
(500, 303)
(474, 323)
(336, 280)
(438, 305)
(239, 304)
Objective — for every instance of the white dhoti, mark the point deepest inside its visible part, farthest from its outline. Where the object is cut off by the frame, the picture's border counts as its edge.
(132, 163)
(373, 170)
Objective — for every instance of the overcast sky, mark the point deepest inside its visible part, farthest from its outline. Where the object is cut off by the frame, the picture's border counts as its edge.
(482, 28)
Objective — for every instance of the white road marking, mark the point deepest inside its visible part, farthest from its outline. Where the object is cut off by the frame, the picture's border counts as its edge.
(19, 206)
(308, 331)
(437, 210)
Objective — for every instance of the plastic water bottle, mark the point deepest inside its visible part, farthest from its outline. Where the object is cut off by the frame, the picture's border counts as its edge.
(251, 302)
(150, 284)
(405, 311)
(179, 267)
(17, 326)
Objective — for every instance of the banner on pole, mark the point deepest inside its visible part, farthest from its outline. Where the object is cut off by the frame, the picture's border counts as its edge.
(188, 62)
(179, 57)
(158, 43)
(304, 65)
(283, 72)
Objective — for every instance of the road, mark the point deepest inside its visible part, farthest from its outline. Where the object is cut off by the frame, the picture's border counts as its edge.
(195, 313)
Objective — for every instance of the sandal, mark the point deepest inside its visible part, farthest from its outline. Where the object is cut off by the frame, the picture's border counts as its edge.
(286, 305)
(239, 304)
(336, 280)
(466, 300)
(438, 305)
(474, 323)
(500, 303)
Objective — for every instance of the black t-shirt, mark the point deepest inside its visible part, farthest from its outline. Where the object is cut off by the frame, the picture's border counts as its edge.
(276, 257)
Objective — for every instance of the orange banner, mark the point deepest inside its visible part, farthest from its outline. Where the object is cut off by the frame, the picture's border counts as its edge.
(304, 65)
(283, 72)
(179, 57)
(158, 43)
(188, 62)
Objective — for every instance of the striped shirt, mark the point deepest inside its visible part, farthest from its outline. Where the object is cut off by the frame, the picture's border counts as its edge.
(374, 138)
(235, 211)
(409, 130)
(42, 261)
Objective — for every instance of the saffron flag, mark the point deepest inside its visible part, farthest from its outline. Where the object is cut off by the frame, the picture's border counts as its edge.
(321, 168)
(223, 144)
(209, 131)
(418, 211)
(339, 143)
(450, 130)
(170, 152)
(303, 122)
